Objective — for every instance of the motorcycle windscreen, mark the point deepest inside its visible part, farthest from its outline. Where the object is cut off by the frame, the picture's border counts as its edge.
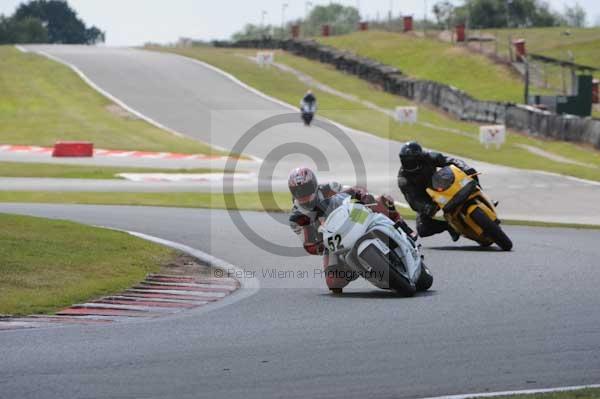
(443, 179)
(328, 205)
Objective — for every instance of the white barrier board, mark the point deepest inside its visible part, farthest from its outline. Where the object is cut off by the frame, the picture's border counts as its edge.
(492, 134)
(407, 114)
(265, 58)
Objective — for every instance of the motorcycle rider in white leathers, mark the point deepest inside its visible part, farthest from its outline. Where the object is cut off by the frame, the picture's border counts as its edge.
(314, 201)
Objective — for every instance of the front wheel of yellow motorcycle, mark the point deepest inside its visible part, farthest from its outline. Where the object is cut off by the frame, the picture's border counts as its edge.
(492, 229)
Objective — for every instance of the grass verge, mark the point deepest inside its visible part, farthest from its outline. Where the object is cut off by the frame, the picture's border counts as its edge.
(42, 101)
(483, 78)
(554, 42)
(248, 201)
(50, 264)
(431, 59)
(24, 169)
(289, 88)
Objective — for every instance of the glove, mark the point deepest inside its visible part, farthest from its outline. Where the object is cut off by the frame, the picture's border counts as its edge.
(367, 199)
(300, 219)
(314, 248)
(473, 173)
(387, 201)
(357, 193)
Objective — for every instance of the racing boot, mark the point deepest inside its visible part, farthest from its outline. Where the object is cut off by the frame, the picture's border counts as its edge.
(453, 233)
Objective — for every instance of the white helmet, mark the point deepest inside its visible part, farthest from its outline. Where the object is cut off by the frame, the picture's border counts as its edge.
(303, 185)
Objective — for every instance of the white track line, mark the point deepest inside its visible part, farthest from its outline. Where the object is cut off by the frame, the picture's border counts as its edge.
(521, 392)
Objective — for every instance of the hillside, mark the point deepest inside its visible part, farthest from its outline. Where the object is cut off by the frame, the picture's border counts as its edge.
(478, 75)
(42, 101)
(584, 43)
(431, 59)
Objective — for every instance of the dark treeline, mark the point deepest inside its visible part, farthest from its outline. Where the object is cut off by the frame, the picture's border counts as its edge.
(478, 14)
(482, 14)
(47, 21)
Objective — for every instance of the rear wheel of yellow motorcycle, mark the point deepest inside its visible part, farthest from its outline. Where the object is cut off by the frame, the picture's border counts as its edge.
(492, 229)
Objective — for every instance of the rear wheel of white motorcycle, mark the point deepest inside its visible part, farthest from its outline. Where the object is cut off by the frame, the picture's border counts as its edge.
(492, 229)
(425, 280)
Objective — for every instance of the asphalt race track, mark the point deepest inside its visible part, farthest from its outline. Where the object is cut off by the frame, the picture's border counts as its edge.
(202, 103)
(493, 321)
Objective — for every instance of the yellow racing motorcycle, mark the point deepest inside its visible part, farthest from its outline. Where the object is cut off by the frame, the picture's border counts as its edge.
(466, 208)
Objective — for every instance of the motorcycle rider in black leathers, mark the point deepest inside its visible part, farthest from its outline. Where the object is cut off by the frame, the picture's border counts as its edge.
(418, 166)
(309, 99)
(308, 107)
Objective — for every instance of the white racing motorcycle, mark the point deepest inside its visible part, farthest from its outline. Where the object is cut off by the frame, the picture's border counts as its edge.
(370, 245)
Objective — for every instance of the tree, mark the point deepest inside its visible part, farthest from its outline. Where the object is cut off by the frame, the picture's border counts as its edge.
(487, 13)
(94, 35)
(545, 17)
(252, 31)
(30, 30)
(27, 30)
(342, 19)
(444, 14)
(61, 21)
(575, 16)
(508, 13)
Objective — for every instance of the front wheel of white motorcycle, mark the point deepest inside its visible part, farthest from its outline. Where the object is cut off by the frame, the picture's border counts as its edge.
(384, 269)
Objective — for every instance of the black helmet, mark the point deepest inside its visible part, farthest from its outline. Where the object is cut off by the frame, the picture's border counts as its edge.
(411, 156)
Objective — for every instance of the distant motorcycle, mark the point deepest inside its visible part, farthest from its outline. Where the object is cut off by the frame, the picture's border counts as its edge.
(466, 208)
(308, 111)
(373, 248)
